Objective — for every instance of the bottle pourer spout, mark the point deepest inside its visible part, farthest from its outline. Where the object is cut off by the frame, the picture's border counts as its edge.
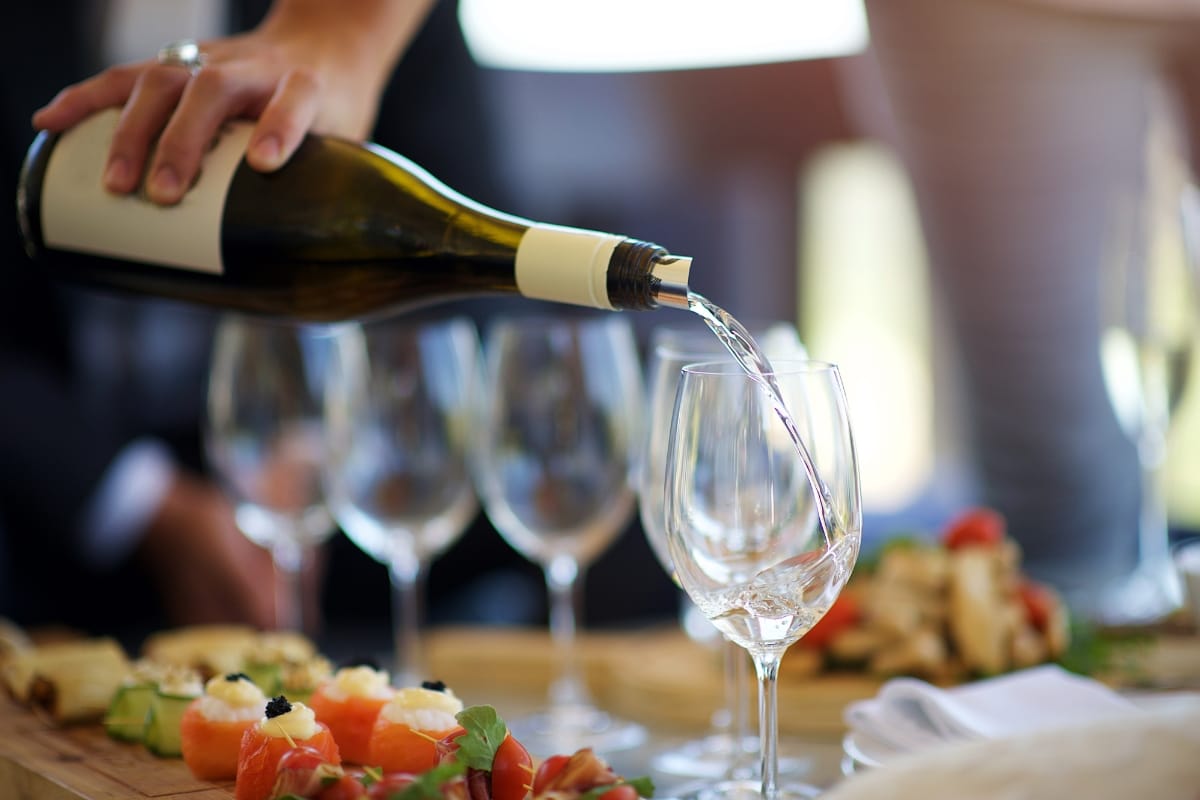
(670, 273)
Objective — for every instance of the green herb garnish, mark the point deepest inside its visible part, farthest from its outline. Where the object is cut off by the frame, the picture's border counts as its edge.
(485, 731)
(428, 785)
(370, 776)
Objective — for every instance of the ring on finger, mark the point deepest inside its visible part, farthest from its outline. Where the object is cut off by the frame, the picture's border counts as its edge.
(184, 53)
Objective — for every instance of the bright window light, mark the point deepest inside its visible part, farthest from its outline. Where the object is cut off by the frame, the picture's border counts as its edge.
(650, 35)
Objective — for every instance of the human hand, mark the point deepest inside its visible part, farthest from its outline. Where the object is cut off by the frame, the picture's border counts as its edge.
(205, 569)
(311, 65)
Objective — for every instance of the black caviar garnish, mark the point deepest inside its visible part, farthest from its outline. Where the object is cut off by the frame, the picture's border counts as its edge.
(237, 676)
(277, 707)
(433, 686)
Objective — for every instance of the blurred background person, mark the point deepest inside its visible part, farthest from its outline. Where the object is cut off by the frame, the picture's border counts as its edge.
(109, 520)
(705, 161)
(1021, 125)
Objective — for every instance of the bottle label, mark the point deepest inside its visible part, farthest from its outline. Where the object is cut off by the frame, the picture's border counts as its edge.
(566, 265)
(79, 214)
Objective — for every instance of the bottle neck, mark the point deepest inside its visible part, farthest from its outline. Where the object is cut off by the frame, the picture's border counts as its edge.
(643, 275)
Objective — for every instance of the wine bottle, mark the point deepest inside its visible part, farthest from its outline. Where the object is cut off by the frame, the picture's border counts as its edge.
(342, 231)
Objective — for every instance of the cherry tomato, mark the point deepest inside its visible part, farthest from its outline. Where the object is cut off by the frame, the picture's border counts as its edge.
(1039, 603)
(547, 771)
(301, 757)
(346, 787)
(300, 771)
(625, 792)
(844, 613)
(978, 527)
(512, 770)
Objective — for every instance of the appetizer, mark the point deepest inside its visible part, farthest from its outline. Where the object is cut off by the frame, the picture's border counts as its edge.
(946, 610)
(284, 728)
(171, 698)
(70, 681)
(405, 735)
(212, 727)
(479, 760)
(125, 719)
(349, 703)
(275, 657)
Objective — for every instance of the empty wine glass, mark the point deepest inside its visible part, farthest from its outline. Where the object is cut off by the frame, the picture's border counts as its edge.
(1150, 312)
(399, 414)
(553, 473)
(264, 439)
(728, 750)
(763, 528)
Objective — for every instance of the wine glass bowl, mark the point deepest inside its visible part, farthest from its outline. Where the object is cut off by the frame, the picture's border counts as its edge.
(727, 750)
(264, 438)
(552, 469)
(1150, 307)
(399, 410)
(763, 517)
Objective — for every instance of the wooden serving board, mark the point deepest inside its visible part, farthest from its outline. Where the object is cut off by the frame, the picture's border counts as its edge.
(656, 676)
(41, 762)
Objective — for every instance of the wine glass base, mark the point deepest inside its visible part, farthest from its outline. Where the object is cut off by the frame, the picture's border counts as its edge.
(712, 757)
(743, 789)
(1152, 592)
(569, 729)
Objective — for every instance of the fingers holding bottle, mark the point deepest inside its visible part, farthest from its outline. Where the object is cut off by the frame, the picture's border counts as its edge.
(309, 65)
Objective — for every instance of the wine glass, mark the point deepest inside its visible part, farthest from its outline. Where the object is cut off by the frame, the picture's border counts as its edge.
(763, 511)
(264, 438)
(553, 473)
(1149, 317)
(728, 750)
(399, 411)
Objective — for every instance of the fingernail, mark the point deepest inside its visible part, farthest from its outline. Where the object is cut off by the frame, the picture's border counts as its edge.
(164, 185)
(116, 175)
(266, 151)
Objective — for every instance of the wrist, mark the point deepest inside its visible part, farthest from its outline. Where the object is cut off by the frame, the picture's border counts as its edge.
(366, 36)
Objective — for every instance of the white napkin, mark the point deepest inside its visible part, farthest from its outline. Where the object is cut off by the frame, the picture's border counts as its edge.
(909, 714)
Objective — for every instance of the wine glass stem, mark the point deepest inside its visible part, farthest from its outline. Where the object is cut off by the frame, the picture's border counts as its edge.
(737, 697)
(1153, 543)
(1154, 547)
(767, 666)
(408, 578)
(290, 560)
(562, 583)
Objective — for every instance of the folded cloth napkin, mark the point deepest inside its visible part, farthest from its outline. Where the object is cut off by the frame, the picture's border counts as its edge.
(909, 714)
(1149, 754)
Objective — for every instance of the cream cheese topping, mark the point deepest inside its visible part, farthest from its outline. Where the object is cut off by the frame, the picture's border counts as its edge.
(181, 682)
(299, 723)
(240, 692)
(359, 681)
(423, 709)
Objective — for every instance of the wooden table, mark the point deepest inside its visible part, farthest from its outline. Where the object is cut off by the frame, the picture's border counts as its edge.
(656, 677)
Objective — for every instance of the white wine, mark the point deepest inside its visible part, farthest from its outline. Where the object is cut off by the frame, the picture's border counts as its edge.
(341, 231)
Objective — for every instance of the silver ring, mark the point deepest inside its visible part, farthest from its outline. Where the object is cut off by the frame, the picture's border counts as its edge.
(182, 53)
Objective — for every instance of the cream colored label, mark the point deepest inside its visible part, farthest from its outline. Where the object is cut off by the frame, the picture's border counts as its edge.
(567, 265)
(79, 214)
